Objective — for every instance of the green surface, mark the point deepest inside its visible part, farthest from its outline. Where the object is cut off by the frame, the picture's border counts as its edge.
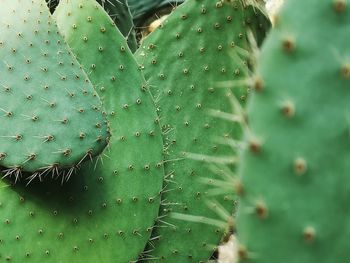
(135, 153)
(119, 11)
(294, 209)
(201, 45)
(51, 116)
(106, 212)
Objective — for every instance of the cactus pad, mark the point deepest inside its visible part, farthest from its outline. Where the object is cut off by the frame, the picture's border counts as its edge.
(107, 213)
(201, 45)
(119, 11)
(133, 161)
(51, 116)
(295, 173)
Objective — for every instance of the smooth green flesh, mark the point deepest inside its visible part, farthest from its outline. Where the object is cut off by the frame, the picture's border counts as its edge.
(295, 206)
(105, 213)
(50, 114)
(198, 47)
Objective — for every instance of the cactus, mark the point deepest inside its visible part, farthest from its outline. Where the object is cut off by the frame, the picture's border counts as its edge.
(106, 212)
(295, 168)
(51, 115)
(200, 45)
(133, 119)
(119, 11)
(97, 216)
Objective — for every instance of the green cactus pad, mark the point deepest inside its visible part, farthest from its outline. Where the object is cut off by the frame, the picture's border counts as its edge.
(201, 45)
(106, 214)
(133, 162)
(295, 171)
(119, 11)
(50, 114)
(97, 216)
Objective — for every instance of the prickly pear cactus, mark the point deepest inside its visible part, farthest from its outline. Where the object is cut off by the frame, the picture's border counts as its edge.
(135, 155)
(295, 170)
(106, 213)
(119, 11)
(51, 116)
(201, 45)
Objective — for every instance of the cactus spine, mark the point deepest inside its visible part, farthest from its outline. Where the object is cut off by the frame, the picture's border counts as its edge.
(106, 212)
(206, 43)
(51, 115)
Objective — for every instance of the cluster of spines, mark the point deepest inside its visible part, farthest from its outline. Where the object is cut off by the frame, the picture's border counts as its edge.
(48, 102)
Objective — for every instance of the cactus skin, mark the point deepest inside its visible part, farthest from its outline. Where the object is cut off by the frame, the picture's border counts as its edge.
(134, 160)
(107, 212)
(51, 116)
(95, 217)
(184, 61)
(295, 172)
(119, 11)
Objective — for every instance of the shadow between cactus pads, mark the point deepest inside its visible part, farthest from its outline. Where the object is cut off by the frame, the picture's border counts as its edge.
(106, 212)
